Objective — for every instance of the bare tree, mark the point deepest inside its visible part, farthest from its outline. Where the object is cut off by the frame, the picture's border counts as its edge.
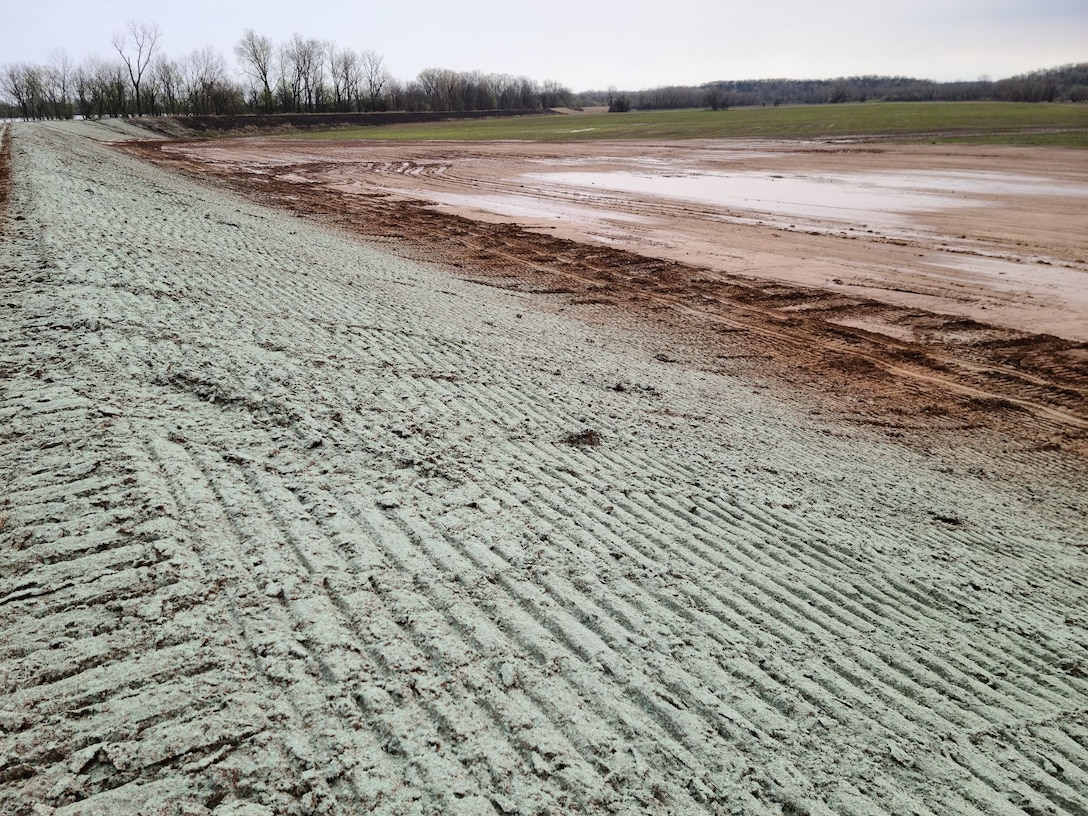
(301, 72)
(289, 82)
(505, 89)
(478, 91)
(443, 88)
(310, 68)
(300, 58)
(61, 71)
(256, 54)
(21, 83)
(553, 94)
(137, 55)
(399, 95)
(81, 81)
(103, 88)
(525, 98)
(348, 73)
(375, 77)
(339, 62)
(170, 80)
(204, 72)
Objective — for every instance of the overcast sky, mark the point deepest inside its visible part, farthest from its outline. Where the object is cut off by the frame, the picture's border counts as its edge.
(591, 44)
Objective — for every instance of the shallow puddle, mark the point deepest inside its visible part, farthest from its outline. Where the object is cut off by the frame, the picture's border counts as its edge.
(858, 199)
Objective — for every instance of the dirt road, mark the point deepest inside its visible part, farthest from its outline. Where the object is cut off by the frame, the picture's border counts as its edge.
(295, 524)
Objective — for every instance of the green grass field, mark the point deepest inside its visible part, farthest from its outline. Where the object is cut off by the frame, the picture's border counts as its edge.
(986, 122)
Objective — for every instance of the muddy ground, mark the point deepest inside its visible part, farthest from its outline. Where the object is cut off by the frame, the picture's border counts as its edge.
(287, 122)
(5, 169)
(976, 310)
(324, 501)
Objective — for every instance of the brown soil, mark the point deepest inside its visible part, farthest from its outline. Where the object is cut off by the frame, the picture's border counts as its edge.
(869, 350)
(5, 171)
(270, 123)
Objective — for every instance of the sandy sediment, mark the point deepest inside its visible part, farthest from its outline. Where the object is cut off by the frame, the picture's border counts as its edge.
(295, 525)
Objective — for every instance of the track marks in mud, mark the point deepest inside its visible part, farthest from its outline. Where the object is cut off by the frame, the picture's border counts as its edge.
(298, 528)
(106, 640)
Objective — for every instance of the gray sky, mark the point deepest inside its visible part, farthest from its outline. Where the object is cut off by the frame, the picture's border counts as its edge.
(590, 44)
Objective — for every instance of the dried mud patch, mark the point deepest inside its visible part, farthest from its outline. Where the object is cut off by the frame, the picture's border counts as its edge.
(863, 357)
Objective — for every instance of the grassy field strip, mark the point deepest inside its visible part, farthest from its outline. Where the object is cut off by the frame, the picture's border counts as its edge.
(990, 122)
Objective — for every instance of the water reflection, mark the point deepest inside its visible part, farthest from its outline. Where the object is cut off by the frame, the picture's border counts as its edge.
(853, 198)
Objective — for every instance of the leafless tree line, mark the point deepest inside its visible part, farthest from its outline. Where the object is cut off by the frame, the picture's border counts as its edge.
(306, 75)
(139, 81)
(301, 75)
(1067, 83)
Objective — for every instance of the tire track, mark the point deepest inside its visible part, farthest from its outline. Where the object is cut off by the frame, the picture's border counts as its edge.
(584, 620)
(324, 563)
(906, 672)
(86, 675)
(394, 598)
(196, 496)
(765, 527)
(444, 568)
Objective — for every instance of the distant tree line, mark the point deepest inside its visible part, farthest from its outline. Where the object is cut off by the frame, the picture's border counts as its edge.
(1068, 83)
(306, 75)
(301, 75)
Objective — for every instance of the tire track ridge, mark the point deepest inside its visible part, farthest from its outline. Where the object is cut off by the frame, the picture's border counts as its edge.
(965, 677)
(498, 615)
(852, 679)
(302, 615)
(448, 731)
(664, 718)
(802, 620)
(739, 543)
(159, 453)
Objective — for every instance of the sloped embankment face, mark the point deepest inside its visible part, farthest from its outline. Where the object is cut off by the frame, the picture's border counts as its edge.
(5, 171)
(294, 525)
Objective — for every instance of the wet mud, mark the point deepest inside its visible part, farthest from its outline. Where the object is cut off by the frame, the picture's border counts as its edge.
(880, 358)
